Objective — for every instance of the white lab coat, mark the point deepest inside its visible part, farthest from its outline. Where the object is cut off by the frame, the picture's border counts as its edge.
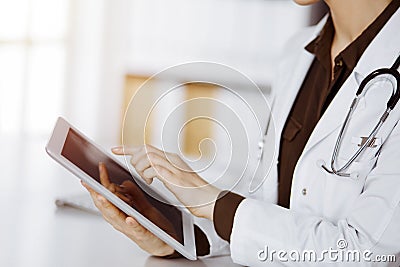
(325, 208)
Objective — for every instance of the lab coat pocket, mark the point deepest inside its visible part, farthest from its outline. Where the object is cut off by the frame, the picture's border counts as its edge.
(371, 151)
(341, 192)
(352, 144)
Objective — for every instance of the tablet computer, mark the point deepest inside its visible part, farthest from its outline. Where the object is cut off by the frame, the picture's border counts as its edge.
(81, 156)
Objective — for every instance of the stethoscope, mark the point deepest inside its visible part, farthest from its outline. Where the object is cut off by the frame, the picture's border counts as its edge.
(392, 71)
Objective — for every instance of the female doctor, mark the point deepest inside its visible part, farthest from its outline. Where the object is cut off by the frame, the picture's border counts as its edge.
(312, 199)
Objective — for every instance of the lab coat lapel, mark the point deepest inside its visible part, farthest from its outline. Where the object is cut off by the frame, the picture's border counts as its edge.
(382, 52)
(292, 85)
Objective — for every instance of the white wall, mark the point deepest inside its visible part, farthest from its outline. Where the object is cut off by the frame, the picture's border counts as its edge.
(96, 67)
(244, 34)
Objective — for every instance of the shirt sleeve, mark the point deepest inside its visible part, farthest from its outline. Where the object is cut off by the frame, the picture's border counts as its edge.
(224, 213)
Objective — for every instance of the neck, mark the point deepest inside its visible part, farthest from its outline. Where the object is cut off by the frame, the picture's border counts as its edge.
(351, 18)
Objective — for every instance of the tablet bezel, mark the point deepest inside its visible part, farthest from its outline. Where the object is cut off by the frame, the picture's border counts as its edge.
(54, 148)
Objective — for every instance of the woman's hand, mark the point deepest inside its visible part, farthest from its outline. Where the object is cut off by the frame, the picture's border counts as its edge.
(125, 224)
(194, 192)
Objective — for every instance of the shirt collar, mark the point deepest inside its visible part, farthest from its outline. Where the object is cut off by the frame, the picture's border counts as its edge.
(321, 45)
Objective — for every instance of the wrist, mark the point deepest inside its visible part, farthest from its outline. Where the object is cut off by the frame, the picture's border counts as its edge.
(207, 210)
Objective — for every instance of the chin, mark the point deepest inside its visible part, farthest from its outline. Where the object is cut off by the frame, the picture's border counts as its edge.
(306, 2)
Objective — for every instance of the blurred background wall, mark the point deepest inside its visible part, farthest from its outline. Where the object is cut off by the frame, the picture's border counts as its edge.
(73, 57)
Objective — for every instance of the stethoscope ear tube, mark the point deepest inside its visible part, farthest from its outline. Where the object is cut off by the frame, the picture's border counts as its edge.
(396, 96)
(369, 78)
(396, 64)
(393, 71)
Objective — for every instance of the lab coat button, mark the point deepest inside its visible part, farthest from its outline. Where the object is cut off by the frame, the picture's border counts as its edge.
(304, 191)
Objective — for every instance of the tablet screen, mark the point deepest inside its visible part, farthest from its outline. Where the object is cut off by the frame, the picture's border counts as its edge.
(85, 156)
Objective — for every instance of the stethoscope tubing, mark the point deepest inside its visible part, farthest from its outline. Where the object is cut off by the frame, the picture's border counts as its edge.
(390, 106)
(392, 102)
(340, 171)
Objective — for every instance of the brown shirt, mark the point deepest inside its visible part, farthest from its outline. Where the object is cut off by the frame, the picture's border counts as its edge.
(315, 95)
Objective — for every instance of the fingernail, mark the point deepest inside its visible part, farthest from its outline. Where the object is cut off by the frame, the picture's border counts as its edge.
(117, 149)
(101, 198)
